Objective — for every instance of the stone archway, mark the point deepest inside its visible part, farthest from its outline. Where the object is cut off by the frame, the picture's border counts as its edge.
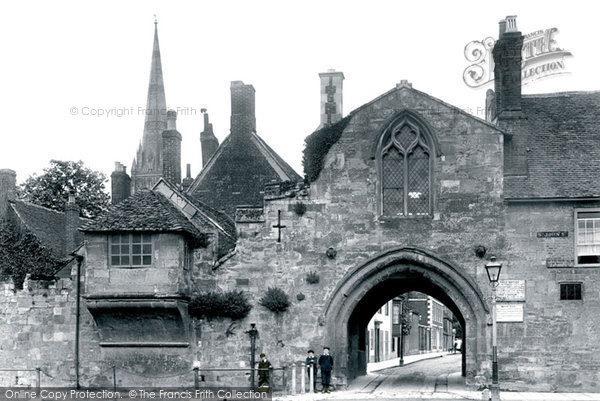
(363, 289)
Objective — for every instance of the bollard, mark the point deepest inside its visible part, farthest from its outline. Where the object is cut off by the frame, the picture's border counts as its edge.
(302, 379)
(293, 378)
(38, 378)
(311, 381)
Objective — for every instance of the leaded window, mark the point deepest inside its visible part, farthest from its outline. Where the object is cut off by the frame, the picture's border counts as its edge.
(405, 172)
(131, 250)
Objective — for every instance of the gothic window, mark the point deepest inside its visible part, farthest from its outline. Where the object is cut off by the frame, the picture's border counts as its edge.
(130, 250)
(405, 167)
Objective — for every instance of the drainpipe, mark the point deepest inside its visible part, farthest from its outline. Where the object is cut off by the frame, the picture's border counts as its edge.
(79, 259)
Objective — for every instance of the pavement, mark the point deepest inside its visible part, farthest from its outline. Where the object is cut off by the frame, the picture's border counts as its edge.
(434, 376)
(408, 359)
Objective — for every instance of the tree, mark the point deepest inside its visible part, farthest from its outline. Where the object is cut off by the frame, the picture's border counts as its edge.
(21, 253)
(52, 188)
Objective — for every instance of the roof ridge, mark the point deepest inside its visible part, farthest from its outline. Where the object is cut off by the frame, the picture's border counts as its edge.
(281, 163)
(28, 203)
(558, 94)
(449, 105)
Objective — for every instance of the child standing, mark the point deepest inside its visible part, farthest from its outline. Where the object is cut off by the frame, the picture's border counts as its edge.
(326, 364)
(263, 371)
(311, 361)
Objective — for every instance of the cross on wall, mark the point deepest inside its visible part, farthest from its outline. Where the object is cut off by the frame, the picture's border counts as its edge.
(278, 226)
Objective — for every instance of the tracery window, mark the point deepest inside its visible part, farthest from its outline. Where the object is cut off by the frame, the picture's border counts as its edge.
(405, 160)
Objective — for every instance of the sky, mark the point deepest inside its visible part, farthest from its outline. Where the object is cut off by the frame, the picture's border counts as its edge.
(64, 62)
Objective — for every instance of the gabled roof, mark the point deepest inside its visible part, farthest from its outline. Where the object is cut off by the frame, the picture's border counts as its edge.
(48, 225)
(146, 211)
(563, 147)
(409, 87)
(237, 173)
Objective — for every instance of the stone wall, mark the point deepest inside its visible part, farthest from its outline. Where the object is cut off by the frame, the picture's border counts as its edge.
(557, 345)
(37, 330)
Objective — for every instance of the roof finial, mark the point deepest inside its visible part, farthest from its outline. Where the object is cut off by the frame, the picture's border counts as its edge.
(155, 20)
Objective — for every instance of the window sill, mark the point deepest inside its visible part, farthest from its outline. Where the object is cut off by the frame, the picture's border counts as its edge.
(130, 267)
(383, 219)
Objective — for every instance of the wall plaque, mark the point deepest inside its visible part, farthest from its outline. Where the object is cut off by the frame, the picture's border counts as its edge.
(509, 312)
(552, 234)
(510, 290)
(554, 262)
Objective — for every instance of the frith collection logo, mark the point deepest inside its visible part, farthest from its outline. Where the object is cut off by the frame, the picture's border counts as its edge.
(541, 58)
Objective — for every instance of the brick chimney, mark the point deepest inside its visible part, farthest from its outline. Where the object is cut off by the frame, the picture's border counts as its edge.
(208, 141)
(171, 150)
(188, 180)
(71, 224)
(8, 184)
(243, 119)
(507, 55)
(331, 97)
(120, 184)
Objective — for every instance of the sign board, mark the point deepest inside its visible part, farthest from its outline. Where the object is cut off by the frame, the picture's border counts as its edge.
(509, 312)
(552, 234)
(510, 290)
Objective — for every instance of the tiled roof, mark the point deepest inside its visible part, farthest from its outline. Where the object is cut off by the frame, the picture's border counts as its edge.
(563, 147)
(46, 224)
(202, 216)
(146, 211)
(238, 172)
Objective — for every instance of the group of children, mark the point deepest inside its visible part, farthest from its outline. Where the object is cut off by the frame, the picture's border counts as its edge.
(324, 363)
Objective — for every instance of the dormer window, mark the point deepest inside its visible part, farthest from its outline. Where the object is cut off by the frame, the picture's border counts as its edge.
(130, 250)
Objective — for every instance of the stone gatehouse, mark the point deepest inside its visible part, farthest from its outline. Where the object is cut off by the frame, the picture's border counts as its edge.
(405, 193)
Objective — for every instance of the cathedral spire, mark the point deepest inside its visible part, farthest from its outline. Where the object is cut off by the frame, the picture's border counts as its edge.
(156, 106)
(148, 165)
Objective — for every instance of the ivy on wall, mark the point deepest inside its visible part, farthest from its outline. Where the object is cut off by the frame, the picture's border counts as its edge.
(212, 304)
(21, 253)
(317, 145)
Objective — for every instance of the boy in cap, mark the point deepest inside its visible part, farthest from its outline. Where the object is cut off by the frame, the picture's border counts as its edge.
(263, 371)
(326, 364)
(311, 360)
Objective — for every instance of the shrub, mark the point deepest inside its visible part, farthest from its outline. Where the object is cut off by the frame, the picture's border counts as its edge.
(312, 278)
(299, 208)
(275, 300)
(300, 297)
(233, 304)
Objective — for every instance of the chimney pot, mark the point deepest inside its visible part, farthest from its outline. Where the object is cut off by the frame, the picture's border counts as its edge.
(171, 120)
(331, 97)
(511, 23)
(502, 28)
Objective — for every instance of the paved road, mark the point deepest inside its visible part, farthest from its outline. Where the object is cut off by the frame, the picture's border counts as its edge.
(432, 379)
(428, 376)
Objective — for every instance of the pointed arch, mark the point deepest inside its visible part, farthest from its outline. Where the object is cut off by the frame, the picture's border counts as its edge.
(405, 153)
(364, 288)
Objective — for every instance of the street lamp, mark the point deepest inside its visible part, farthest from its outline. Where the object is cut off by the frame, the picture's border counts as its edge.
(493, 269)
(253, 333)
